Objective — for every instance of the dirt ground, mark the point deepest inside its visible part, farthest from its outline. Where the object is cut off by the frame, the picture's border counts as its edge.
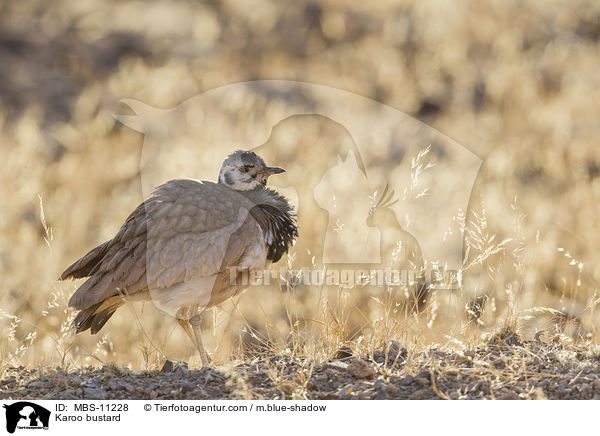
(505, 369)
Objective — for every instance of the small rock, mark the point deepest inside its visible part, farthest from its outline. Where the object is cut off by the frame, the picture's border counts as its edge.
(507, 395)
(379, 356)
(113, 385)
(381, 395)
(407, 380)
(424, 374)
(128, 387)
(513, 340)
(337, 365)
(360, 369)
(418, 395)
(343, 353)
(423, 381)
(94, 394)
(168, 366)
(174, 366)
(180, 370)
(397, 350)
(345, 391)
(379, 384)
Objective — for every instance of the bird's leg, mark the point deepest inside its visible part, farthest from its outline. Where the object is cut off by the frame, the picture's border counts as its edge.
(183, 316)
(196, 323)
(185, 325)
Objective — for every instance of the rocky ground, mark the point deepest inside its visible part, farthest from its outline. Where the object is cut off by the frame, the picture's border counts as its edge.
(503, 369)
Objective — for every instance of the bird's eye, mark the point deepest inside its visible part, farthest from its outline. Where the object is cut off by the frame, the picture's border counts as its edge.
(245, 169)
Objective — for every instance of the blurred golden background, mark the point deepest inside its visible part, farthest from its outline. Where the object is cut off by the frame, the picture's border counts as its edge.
(516, 83)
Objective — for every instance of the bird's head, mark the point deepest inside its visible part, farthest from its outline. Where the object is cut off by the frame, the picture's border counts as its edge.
(245, 170)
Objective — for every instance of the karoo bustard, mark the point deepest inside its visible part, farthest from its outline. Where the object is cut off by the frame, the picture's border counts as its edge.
(187, 247)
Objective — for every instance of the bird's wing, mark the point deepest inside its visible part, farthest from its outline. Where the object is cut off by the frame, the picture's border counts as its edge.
(186, 230)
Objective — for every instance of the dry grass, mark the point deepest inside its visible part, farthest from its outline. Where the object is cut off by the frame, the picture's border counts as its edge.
(515, 83)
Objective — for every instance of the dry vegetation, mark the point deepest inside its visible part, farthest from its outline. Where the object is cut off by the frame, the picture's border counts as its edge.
(515, 82)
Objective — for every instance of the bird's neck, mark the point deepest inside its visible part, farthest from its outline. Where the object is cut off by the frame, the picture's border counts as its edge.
(262, 195)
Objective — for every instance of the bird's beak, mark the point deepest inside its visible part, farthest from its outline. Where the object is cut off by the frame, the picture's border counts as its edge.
(272, 170)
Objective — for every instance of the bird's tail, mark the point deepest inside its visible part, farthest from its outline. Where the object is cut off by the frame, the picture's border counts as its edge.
(86, 266)
(94, 317)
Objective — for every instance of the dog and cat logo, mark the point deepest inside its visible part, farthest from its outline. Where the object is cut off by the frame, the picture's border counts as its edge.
(26, 415)
(365, 150)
